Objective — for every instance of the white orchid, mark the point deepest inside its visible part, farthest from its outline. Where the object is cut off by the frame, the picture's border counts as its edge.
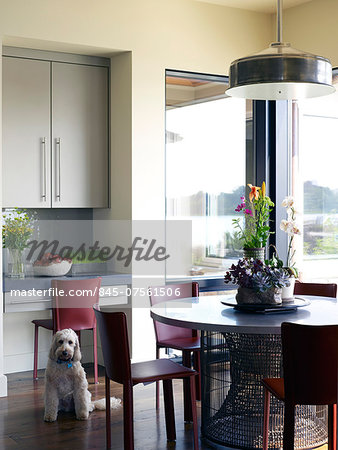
(294, 230)
(289, 226)
(288, 202)
(285, 225)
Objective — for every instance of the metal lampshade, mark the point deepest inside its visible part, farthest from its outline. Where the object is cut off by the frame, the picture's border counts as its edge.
(280, 73)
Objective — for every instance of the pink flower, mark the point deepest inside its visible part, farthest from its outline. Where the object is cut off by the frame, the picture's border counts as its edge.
(248, 212)
(240, 207)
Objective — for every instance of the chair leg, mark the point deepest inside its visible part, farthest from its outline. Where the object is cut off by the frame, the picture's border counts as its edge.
(128, 417)
(197, 360)
(186, 360)
(266, 419)
(194, 409)
(108, 424)
(169, 409)
(96, 377)
(157, 382)
(289, 426)
(36, 349)
(332, 427)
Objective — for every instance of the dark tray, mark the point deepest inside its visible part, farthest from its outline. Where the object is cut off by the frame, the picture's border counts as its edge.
(261, 308)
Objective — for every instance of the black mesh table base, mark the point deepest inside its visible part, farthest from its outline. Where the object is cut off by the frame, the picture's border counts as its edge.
(233, 365)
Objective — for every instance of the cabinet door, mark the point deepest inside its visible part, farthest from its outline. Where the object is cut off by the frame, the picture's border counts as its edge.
(80, 136)
(26, 133)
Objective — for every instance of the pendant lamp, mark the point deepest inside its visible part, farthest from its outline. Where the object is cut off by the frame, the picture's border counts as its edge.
(280, 72)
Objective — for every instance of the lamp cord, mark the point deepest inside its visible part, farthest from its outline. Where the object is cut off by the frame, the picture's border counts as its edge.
(279, 21)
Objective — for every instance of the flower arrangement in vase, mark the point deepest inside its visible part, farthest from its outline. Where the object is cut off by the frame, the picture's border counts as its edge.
(259, 283)
(17, 229)
(256, 229)
(290, 227)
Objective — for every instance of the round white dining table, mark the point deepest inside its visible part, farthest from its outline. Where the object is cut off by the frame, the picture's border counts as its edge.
(238, 349)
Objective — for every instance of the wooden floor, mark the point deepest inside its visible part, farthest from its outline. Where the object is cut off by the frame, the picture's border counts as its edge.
(22, 425)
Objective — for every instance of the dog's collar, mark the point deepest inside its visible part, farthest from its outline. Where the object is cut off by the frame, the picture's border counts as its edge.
(69, 362)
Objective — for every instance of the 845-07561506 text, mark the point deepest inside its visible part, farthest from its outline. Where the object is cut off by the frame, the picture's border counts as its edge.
(115, 291)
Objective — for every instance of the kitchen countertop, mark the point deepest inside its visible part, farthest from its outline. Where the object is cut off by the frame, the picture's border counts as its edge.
(30, 282)
(207, 282)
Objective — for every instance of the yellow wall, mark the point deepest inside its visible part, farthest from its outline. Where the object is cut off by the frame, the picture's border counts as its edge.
(157, 34)
(176, 34)
(313, 27)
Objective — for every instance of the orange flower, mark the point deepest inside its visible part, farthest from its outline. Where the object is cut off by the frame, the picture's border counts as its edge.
(254, 193)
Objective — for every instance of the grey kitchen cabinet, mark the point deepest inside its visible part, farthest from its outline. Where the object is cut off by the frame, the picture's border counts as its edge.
(26, 133)
(79, 136)
(55, 145)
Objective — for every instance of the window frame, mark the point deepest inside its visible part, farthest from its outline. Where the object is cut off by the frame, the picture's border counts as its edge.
(272, 146)
(212, 261)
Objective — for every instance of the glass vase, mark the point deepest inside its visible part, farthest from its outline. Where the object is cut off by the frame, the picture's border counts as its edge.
(287, 291)
(15, 263)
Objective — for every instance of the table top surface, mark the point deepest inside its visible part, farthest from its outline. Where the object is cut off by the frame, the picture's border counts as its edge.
(209, 314)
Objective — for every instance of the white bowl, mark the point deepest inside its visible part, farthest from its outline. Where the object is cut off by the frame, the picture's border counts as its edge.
(53, 270)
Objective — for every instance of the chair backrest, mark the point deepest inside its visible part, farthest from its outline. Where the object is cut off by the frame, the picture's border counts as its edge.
(320, 289)
(310, 360)
(161, 294)
(73, 302)
(115, 344)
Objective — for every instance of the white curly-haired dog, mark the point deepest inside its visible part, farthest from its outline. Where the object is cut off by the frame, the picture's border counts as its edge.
(66, 386)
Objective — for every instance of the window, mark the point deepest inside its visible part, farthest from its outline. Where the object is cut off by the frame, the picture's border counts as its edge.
(208, 160)
(315, 186)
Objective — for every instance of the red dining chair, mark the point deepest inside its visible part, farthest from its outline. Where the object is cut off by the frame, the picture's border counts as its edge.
(320, 289)
(115, 348)
(177, 338)
(73, 302)
(303, 382)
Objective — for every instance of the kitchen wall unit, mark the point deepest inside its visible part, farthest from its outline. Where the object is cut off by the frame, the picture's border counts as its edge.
(79, 136)
(26, 133)
(55, 133)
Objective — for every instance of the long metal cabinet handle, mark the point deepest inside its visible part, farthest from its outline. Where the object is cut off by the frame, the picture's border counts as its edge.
(44, 169)
(58, 154)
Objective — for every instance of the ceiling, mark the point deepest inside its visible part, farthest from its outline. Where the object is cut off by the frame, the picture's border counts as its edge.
(268, 6)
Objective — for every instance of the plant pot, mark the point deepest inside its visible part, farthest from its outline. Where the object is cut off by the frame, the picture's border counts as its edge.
(247, 296)
(255, 253)
(287, 291)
